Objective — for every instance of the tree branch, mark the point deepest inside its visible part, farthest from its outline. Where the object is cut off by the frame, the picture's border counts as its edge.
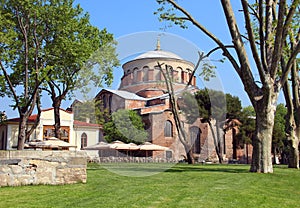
(289, 64)
(279, 40)
(252, 42)
(245, 74)
(11, 87)
(201, 58)
(209, 34)
(263, 50)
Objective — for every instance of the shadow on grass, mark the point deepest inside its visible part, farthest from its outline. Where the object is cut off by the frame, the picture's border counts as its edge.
(155, 168)
(211, 168)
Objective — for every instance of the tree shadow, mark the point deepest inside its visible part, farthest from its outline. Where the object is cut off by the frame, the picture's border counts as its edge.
(210, 168)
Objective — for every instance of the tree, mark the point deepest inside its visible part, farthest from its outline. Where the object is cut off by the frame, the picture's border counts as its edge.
(292, 125)
(246, 129)
(126, 126)
(75, 53)
(233, 112)
(175, 106)
(233, 106)
(91, 110)
(23, 57)
(212, 107)
(279, 135)
(274, 23)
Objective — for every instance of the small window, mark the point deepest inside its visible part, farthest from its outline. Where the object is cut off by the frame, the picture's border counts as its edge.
(145, 73)
(169, 154)
(83, 140)
(168, 129)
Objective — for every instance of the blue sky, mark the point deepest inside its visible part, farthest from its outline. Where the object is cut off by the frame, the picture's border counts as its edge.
(127, 17)
(122, 18)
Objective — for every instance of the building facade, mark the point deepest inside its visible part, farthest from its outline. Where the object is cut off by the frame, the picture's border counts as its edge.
(143, 89)
(77, 133)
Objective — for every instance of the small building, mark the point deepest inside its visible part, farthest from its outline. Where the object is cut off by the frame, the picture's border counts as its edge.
(77, 133)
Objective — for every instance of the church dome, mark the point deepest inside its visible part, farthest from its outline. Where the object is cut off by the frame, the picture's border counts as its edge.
(158, 54)
(143, 73)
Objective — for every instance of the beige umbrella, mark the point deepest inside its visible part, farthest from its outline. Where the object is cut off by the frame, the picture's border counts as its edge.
(118, 145)
(154, 147)
(52, 142)
(99, 146)
(148, 146)
(123, 146)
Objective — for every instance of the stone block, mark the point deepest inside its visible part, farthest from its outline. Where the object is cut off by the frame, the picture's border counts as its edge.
(4, 169)
(5, 180)
(16, 169)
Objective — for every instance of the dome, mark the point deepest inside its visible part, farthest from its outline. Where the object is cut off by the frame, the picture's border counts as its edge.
(158, 54)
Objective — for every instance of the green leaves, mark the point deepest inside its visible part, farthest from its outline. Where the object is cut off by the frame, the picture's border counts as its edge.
(169, 14)
(126, 126)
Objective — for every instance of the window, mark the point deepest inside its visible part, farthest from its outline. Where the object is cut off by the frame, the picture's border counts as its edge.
(145, 73)
(168, 129)
(195, 133)
(48, 131)
(182, 77)
(169, 154)
(83, 140)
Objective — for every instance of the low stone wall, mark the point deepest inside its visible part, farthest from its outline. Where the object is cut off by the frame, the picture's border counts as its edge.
(112, 159)
(30, 167)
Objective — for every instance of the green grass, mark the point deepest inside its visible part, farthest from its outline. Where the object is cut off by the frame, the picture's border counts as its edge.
(180, 186)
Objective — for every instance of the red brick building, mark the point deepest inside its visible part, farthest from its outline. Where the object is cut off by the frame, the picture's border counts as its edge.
(143, 89)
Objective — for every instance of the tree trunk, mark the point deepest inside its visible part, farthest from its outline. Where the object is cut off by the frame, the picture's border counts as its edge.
(294, 149)
(56, 106)
(189, 154)
(262, 142)
(215, 143)
(219, 139)
(22, 132)
(234, 144)
(247, 153)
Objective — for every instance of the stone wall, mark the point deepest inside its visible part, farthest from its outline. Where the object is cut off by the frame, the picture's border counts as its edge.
(42, 167)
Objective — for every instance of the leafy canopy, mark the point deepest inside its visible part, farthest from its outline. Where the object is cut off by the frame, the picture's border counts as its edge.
(126, 126)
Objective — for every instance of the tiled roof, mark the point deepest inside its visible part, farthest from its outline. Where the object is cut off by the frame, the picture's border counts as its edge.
(31, 119)
(126, 95)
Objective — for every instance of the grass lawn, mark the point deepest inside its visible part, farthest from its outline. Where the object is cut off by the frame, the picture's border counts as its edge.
(180, 186)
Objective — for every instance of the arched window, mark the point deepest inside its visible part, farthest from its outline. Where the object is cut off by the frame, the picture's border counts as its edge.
(83, 140)
(157, 73)
(195, 133)
(179, 74)
(168, 129)
(145, 73)
(135, 72)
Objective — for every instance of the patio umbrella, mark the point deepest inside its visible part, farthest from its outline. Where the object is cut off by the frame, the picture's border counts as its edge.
(99, 146)
(153, 147)
(52, 142)
(148, 146)
(125, 147)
